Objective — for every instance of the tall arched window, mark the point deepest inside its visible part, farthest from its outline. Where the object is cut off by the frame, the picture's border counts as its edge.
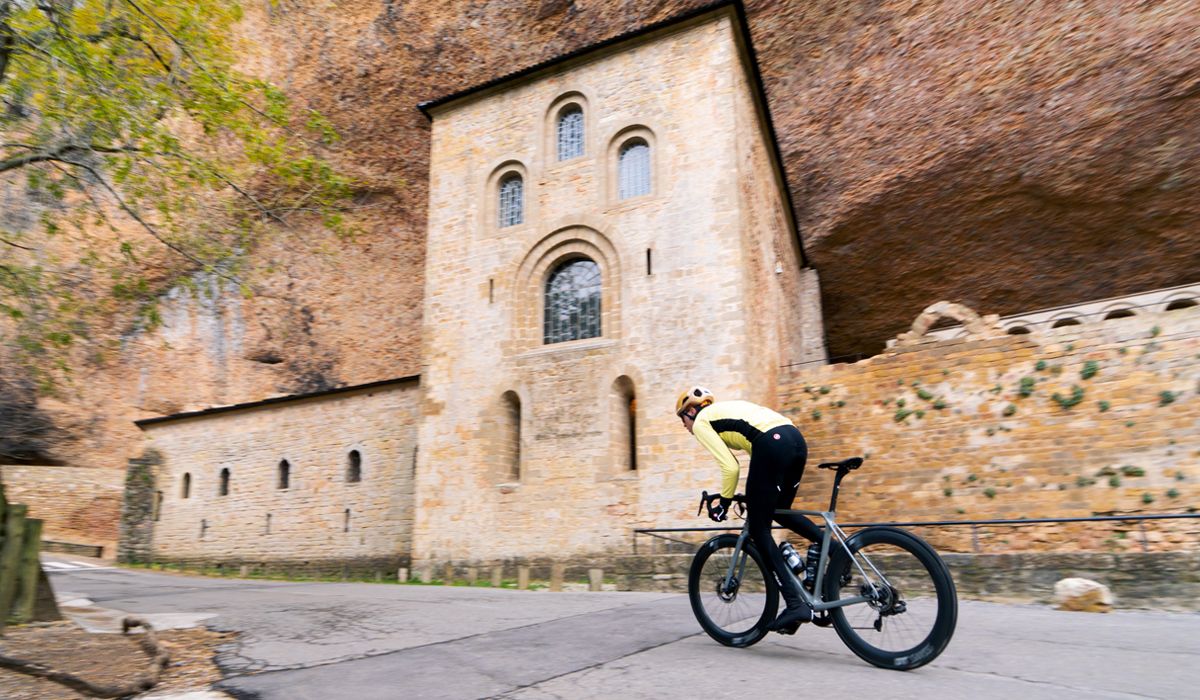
(633, 169)
(623, 424)
(285, 475)
(570, 132)
(512, 200)
(223, 488)
(510, 435)
(185, 489)
(354, 467)
(572, 302)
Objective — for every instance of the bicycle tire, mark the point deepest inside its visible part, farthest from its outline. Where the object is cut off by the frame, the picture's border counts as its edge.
(752, 627)
(841, 579)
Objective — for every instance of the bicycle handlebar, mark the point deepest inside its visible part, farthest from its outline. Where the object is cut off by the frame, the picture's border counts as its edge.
(707, 499)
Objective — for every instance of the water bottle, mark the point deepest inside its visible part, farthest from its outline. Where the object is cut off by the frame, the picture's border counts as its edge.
(812, 559)
(791, 557)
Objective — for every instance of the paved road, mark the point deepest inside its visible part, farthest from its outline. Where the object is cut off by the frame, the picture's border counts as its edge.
(326, 640)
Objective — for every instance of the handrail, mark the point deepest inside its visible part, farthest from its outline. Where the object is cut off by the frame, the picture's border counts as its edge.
(652, 531)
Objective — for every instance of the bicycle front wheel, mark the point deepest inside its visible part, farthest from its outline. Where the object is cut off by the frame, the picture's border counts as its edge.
(734, 610)
(913, 606)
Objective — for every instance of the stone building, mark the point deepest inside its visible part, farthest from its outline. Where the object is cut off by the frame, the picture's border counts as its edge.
(603, 230)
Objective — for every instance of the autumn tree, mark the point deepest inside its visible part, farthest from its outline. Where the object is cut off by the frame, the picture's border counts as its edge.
(134, 156)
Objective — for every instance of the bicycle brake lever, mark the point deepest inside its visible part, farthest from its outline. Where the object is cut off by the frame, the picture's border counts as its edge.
(703, 498)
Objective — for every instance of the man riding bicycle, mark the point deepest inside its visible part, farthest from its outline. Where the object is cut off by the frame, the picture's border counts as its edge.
(777, 456)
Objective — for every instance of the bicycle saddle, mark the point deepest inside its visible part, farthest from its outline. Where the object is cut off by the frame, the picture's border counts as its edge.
(847, 464)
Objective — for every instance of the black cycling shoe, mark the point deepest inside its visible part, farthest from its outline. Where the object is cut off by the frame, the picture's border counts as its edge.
(794, 614)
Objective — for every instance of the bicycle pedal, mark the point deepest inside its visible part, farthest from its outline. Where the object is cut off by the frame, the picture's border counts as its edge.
(790, 629)
(822, 620)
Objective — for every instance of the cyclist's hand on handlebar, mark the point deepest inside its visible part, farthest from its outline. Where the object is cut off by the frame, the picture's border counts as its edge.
(720, 511)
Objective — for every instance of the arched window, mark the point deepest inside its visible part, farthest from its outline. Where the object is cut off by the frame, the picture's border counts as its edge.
(1181, 304)
(510, 435)
(223, 488)
(570, 132)
(353, 467)
(512, 200)
(623, 424)
(1119, 313)
(572, 302)
(1062, 322)
(185, 489)
(633, 169)
(285, 475)
(1018, 330)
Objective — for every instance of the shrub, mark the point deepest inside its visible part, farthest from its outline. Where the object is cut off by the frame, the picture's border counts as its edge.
(924, 395)
(1010, 409)
(1041, 365)
(1147, 498)
(901, 414)
(1173, 493)
(1026, 387)
(1067, 402)
(1129, 470)
(1166, 397)
(1114, 481)
(989, 492)
(1090, 368)
(1104, 406)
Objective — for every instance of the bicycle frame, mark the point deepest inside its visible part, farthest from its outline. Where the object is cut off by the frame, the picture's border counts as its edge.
(829, 532)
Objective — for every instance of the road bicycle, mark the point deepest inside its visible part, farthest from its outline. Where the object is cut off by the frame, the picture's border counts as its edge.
(901, 619)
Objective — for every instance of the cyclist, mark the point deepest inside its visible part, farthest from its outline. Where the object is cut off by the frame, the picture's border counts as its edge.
(777, 455)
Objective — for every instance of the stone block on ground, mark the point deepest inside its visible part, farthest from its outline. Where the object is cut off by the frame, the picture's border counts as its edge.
(1083, 595)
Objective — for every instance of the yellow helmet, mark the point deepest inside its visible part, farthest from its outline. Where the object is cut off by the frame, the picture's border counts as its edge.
(696, 396)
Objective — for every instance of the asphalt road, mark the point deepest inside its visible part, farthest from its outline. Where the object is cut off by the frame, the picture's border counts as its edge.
(365, 641)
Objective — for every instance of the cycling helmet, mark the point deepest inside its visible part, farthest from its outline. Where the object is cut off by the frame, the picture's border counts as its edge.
(696, 396)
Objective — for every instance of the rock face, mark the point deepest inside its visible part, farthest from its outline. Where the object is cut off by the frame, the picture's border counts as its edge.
(994, 154)
(1083, 595)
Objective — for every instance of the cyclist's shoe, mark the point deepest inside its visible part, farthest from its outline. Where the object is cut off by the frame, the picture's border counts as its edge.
(790, 629)
(793, 614)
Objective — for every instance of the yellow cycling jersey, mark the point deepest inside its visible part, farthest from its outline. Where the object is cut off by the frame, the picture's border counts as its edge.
(727, 425)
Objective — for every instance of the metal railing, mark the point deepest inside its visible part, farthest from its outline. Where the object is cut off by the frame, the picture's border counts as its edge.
(973, 524)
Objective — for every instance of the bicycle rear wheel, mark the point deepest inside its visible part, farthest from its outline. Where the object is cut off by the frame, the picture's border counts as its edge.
(914, 606)
(735, 615)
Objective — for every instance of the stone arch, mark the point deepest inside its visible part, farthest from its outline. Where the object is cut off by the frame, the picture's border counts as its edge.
(577, 97)
(973, 323)
(563, 245)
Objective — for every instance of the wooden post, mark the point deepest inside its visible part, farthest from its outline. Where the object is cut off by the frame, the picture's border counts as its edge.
(27, 572)
(10, 558)
(556, 577)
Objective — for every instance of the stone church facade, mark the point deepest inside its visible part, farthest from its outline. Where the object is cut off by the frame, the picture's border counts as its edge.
(603, 230)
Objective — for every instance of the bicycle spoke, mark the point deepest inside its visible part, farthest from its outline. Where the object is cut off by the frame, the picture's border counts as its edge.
(884, 624)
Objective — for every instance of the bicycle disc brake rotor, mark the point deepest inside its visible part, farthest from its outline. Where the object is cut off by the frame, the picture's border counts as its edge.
(885, 599)
(727, 594)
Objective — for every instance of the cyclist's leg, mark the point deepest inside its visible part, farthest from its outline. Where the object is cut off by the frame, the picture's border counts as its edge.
(789, 481)
(762, 491)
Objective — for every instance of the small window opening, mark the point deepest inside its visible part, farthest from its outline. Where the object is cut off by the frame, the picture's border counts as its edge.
(354, 467)
(185, 490)
(158, 502)
(1181, 304)
(1063, 322)
(285, 475)
(346, 520)
(649, 266)
(512, 200)
(510, 435)
(632, 413)
(1018, 330)
(414, 459)
(491, 290)
(267, 529)
(203, 528)
(633, 169)
(223, 489)
(1119, 313)
(570, 132)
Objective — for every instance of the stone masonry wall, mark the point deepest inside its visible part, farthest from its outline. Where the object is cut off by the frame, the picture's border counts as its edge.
(1108, 423)
(679, 298)
(79, 505)
(320, 518)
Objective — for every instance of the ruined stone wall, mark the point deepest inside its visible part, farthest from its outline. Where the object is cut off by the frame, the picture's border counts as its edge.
(676, 319)
(1096, 419)
(321, 515)
(78, 505)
